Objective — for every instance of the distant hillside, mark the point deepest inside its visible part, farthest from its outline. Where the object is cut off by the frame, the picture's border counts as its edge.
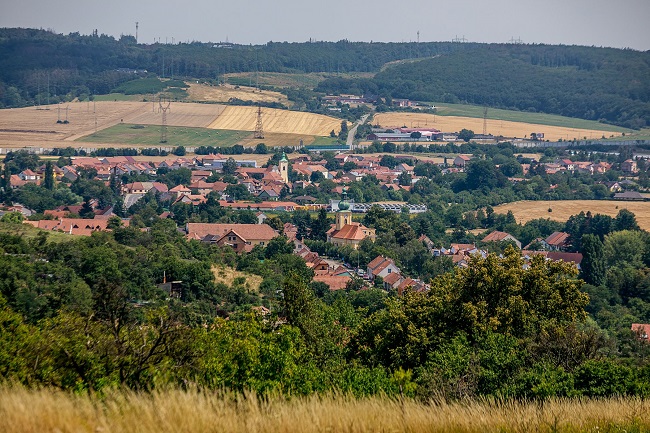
(604, 84)
(610, 85)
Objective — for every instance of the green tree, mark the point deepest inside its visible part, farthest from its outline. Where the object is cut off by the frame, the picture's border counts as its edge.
(230, 166)
(625, 220)
(261, 149)
(48, 182)
(466, 135)
(320, 225)
(593, 266)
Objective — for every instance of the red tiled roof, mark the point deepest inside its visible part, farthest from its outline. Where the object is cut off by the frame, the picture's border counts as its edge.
(496, 236)
(643, 329)
(351, 231)
(557, 239)
(335, 282)
(250, 232)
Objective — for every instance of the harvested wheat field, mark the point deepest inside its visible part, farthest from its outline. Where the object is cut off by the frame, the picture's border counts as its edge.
(38, 127)
(495, 127)
(204, 92)
(227, 276)
(179, 114)
(525, 211)
(46, 410)
(273, 120)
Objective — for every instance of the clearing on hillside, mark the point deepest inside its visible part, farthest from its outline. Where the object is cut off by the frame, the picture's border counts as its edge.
(505, 128)
(227, 276)
(207, 93)
(525, 211)
(279, 79)
(278, 121)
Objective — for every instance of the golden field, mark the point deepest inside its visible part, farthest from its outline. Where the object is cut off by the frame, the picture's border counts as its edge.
(29, 127)
(36, 411)
(525, 211)
(203, 92)
(278, 121)
(494, 127)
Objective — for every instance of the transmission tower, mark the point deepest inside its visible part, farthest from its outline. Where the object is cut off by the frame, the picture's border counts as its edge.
(485, 110)
(163, 105)
(259, 131)
(136, 32)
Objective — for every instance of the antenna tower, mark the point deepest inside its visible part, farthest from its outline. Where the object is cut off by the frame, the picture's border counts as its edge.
(136, 32)
(259, 131)
(485, 110)
(163, 105)
(418, 36)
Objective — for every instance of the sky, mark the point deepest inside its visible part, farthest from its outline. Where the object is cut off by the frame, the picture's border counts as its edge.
(608, 23)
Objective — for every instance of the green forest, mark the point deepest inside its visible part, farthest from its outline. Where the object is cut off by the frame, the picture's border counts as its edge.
(604, 84)
(87, 314)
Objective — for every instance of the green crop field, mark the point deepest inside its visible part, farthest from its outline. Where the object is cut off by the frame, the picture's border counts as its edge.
(119, 97)
(149, 135)
(444, 109)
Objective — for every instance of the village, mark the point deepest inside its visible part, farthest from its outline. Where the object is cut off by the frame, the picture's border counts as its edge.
(269, 191)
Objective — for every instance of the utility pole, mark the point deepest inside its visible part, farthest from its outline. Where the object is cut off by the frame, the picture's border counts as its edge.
(164, 104)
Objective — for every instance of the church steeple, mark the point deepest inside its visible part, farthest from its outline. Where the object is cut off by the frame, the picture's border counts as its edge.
(283, 166)
(344, 215)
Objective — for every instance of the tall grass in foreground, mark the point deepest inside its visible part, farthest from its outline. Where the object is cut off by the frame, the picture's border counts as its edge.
(23, 410)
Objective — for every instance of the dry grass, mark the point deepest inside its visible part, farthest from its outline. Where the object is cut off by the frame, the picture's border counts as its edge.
(276, 121)
(525, 211)
(203, 92)
(227, 275)
(494, 127)
(178, 411)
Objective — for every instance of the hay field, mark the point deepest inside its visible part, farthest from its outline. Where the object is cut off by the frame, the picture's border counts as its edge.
(495, 127)
(525, 211)
(278, 121)
(47, 410)
(204, 92)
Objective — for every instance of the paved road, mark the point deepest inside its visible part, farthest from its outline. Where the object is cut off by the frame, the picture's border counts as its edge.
(353, 131)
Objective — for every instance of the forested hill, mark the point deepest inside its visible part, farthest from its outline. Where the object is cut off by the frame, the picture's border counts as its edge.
(81, 64)
(594, 83)
(604, 84)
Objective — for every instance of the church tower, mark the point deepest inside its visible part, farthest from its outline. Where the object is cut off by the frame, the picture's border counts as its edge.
(344, 215)
(283, 166)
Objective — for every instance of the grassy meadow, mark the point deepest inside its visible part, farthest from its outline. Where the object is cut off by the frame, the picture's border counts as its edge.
(149, 135)
(46, 410)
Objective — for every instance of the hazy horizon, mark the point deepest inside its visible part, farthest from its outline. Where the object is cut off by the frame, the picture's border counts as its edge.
(576, 22)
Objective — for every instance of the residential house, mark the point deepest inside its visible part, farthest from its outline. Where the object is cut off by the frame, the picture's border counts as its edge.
(642, 330)
(461, 161)
(557, 241)
(629, 166)
(497, 236)
(241, 237)
(381, 267)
